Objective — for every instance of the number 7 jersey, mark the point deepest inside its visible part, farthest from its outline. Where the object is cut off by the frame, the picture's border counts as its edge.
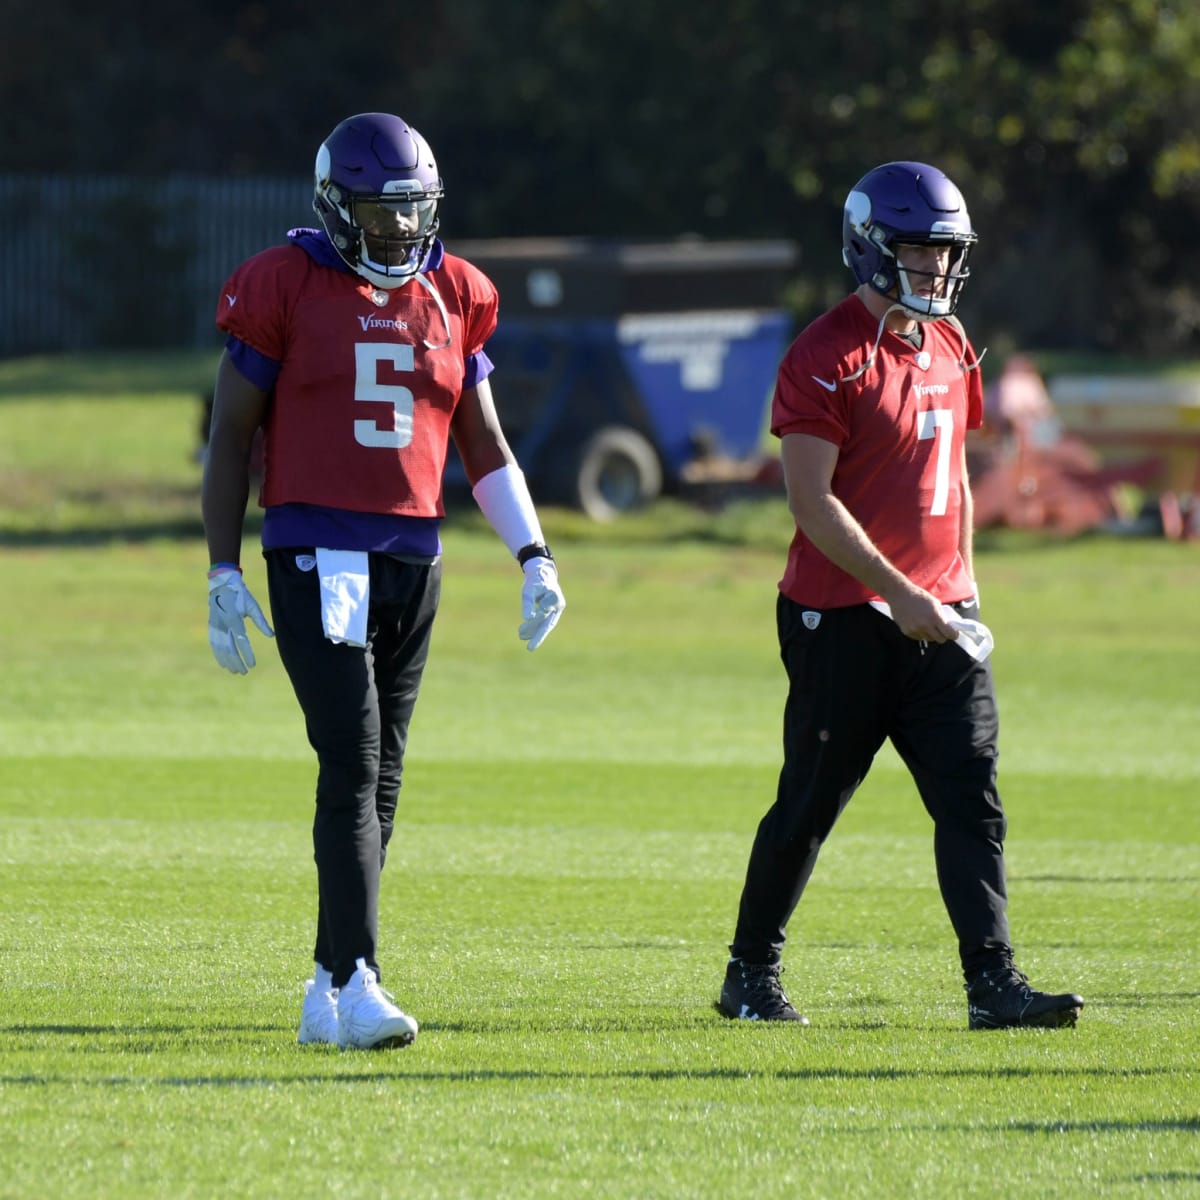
(359, 417)
(899, 423)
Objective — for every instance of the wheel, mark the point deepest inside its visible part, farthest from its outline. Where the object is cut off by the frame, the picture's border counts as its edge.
(617, 471)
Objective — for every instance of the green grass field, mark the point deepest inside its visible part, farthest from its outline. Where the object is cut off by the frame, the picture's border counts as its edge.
(573, 832)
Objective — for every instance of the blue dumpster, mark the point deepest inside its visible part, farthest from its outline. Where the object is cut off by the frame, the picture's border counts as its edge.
(619, 366)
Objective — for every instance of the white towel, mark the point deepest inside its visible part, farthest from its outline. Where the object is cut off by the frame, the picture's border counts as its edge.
(345, 595)
(974, 637)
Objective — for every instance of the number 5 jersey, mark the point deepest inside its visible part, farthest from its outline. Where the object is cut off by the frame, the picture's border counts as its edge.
(363, 382)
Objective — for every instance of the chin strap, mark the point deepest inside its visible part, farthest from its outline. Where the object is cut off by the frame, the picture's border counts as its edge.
(427, 284)
(957, 325)
(951, 320)
(875, 348)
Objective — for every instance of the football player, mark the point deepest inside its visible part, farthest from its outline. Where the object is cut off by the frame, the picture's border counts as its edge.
(877, 610)
(359, 349)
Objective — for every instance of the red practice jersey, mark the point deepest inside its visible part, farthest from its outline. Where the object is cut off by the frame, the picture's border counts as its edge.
(899, 429)
(360, 415)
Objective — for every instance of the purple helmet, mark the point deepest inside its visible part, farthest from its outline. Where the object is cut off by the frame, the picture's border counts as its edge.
(376, 191)
(907, 203)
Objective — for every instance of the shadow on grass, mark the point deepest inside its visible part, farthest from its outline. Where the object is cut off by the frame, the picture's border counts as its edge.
(733, 1075)
(177, 519)
(758, 523)
(1106, 880)
(175, 529)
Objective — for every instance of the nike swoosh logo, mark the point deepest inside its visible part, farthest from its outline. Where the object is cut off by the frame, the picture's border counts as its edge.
(232, 299)
(829, 387)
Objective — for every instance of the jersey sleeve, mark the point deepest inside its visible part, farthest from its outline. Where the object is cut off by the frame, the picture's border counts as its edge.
(254, 304)
(479, 367)
(481, 313)
(807, 401)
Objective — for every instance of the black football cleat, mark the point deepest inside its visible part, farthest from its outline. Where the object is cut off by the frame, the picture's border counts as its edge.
(752, 992)
(1002, 999)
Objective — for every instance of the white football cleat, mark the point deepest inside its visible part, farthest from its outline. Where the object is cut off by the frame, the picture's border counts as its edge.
(318, 1016)
(367, 1019)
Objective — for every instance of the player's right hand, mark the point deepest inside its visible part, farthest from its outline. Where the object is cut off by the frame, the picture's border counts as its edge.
(229, 604)
(920, 616)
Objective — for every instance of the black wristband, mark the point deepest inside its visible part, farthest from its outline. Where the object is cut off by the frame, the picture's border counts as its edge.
(533, 550)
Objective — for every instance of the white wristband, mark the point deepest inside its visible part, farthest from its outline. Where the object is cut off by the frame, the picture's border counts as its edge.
(503, 498)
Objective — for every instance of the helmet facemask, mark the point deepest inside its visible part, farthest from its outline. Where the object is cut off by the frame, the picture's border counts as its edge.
(927, 294)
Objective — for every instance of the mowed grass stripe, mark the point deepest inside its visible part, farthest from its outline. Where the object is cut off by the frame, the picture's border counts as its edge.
(573, 831)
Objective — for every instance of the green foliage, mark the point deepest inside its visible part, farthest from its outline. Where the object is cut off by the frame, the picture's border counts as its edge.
(564, 877)
(1070, 126)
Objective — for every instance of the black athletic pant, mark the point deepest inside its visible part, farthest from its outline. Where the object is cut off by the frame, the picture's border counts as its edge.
(357, 704)
(854, 681)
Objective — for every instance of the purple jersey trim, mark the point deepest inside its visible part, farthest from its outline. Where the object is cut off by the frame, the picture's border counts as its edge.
(316, 244)
(478, 366)
(257, 368)
(340, 529)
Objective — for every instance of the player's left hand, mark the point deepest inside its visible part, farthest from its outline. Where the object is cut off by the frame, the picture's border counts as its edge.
(542, 601)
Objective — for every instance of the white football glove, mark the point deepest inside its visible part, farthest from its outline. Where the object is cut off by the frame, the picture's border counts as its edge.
(542, 601)
(229, 603)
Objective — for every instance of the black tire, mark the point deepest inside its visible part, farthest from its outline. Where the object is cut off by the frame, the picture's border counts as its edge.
(617, 471)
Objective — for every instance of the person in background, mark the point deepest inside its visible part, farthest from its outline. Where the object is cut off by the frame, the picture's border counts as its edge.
(359, 349)
(877, 610)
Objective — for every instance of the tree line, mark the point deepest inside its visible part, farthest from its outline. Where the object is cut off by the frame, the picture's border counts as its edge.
(1073, 128)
